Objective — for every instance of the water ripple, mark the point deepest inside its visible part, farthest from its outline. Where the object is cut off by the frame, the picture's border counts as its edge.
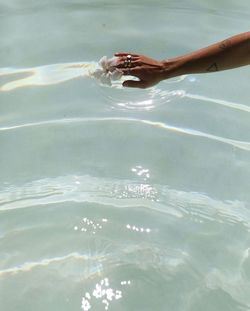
(28, 266)
(166, 96)
(123, 194)
(244, 145)
(127, 99)
(221, 102)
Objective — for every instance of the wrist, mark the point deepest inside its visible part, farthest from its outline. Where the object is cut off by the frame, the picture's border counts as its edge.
(174, 67)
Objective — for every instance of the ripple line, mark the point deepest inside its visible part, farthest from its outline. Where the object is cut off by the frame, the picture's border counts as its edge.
(220, 102)
(28, 266)
(235, 143)
(123, 194)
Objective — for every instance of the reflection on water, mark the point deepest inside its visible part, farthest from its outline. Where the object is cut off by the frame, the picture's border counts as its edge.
(151, 247)
(137, 229)
(119, 199)
(29, 266)
(244, 145)
(47, 75)
(90, 226)
(140, 171)
(103, 292)
(148, 100)
(121, 194)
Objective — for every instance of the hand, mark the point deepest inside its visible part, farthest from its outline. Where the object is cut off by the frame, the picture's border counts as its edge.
(148, 70)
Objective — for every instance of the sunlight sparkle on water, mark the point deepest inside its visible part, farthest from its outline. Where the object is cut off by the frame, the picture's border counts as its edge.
(138, 229)
(102, 295)
(88, 225)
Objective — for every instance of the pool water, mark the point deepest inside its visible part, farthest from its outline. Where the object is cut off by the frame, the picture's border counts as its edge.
(121, 199)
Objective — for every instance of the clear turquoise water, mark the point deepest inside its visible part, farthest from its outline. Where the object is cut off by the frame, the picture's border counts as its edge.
(117, 199)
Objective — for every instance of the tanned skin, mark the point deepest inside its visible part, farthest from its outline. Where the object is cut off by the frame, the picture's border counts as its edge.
(228, 54)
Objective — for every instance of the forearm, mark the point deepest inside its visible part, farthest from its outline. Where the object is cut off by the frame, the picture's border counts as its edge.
(230, 53)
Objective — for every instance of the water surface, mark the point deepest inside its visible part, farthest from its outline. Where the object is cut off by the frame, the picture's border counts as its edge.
(120, 199)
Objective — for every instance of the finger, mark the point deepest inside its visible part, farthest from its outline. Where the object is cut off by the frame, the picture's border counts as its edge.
(134, 84)
(123, 63)
(130, 72)
(120, 54)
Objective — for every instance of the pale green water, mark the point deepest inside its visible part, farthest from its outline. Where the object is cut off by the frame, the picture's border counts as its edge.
(121, 199)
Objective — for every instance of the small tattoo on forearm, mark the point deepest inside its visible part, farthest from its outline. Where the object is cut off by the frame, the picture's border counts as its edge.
(213, 68)
(225, 44)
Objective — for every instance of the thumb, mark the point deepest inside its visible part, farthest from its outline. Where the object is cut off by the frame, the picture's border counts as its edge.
(132, 83)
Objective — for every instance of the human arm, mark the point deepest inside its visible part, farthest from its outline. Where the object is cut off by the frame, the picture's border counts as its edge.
(228, 54)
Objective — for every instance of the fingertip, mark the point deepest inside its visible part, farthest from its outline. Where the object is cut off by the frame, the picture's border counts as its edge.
(119, 54)
(133, 83)
(125, 84)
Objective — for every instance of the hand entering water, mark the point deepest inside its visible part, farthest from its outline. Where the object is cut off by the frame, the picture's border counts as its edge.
(148, 70)
(228, 54)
